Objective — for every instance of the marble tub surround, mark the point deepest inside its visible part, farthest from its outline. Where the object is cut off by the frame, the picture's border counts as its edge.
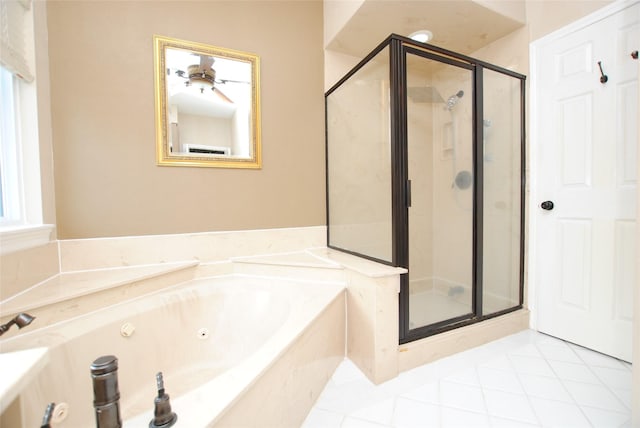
(70, 294)
(294, 382)
(22, 269)
(324, 258)
(372, 313)
(18, 369)
(92, 274)
(305, 258)
(372, 300)
(55, 274)
(257, 332)
(206, 247)
(95, 273)
(372, 324)
(357, 264)
(299, 264)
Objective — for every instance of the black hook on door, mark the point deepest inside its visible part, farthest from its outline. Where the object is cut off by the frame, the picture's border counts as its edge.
(634, 54)
(603, 77)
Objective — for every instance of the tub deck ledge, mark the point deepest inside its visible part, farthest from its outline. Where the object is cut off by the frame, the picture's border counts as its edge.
(71, 294)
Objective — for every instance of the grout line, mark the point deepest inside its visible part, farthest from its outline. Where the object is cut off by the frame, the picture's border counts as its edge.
(526, 393)
(590, 368)
(565, 386)
(457, 363)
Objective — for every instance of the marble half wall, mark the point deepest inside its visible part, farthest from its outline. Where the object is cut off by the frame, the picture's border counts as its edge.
(22, 269)
(205, 247)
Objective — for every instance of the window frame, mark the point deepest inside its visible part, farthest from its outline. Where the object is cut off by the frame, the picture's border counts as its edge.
(21, 222)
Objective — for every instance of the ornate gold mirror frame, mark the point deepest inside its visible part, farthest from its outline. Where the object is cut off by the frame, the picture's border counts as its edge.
(207, 105)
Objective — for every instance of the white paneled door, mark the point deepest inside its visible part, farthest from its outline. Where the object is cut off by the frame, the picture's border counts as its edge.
(586, 174)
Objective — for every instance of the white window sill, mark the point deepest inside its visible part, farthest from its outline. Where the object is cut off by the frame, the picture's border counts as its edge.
(16, 238)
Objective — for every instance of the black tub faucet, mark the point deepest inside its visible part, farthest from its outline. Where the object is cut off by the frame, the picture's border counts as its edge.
(21, 320)
(106, 394)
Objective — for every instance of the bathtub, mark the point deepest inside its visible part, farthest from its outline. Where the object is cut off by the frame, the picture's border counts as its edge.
(230, 348)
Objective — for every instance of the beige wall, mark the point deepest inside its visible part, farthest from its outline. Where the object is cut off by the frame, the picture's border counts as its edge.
(546, 16)
(106, 179)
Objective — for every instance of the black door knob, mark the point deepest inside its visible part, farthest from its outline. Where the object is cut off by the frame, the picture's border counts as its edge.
(547, 205)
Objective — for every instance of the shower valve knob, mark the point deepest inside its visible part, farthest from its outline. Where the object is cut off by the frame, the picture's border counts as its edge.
(547, 205)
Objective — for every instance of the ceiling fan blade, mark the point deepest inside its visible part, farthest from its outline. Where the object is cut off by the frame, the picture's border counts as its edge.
(223, 81)
(206, 62)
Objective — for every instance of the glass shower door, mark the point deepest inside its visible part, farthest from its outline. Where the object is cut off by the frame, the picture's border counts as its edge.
(425, 161)
(440, 169)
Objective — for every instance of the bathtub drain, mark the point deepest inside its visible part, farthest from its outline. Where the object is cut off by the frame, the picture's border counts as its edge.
(203, 333)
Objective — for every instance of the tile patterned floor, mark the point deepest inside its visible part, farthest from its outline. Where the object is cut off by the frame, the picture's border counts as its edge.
(524, 380)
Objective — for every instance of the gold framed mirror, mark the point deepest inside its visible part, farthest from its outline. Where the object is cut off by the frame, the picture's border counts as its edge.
(207, 105)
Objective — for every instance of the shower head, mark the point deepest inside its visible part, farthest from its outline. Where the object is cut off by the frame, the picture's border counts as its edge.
(453, 99)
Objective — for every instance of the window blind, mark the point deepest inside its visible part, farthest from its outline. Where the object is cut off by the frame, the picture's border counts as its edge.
(15, 28)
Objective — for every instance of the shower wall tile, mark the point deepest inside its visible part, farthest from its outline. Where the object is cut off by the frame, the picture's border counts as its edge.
(207, 247)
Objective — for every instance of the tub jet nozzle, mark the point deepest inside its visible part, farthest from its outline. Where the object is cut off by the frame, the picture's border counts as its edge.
(163, 417)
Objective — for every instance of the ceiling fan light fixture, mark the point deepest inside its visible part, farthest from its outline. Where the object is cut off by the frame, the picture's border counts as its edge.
(201, 78)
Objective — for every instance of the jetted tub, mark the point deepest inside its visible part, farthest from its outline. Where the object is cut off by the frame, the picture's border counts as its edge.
(231, 349)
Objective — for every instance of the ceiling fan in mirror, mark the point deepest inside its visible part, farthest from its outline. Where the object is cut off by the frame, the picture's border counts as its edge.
(203, 76)
(206, 96)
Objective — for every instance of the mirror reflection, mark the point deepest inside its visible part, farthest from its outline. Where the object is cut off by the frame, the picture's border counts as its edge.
(206, 105)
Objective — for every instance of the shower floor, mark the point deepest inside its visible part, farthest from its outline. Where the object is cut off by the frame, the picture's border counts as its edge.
(431, 306)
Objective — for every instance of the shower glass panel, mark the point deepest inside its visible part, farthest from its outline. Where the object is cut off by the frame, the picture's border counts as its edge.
(359, 162)
(425, 161)
(440, 168)
(502, 201)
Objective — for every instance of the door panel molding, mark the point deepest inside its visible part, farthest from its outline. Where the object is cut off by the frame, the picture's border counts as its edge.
(582, 131)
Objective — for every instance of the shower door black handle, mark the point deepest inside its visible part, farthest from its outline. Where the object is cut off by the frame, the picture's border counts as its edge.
(547, 205)
(408, 192)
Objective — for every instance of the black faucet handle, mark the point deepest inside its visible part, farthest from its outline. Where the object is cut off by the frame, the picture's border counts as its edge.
(48, 414)
(160, 384)
(163, 416)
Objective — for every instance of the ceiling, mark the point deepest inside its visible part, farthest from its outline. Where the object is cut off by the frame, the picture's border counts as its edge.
(462, 26)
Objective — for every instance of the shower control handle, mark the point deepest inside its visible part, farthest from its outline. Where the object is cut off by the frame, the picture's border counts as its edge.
(547, 205)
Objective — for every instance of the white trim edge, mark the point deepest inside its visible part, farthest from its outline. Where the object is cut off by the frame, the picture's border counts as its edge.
(24, 237)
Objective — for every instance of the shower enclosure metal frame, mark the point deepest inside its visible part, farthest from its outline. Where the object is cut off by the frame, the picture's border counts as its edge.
(399, 47)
